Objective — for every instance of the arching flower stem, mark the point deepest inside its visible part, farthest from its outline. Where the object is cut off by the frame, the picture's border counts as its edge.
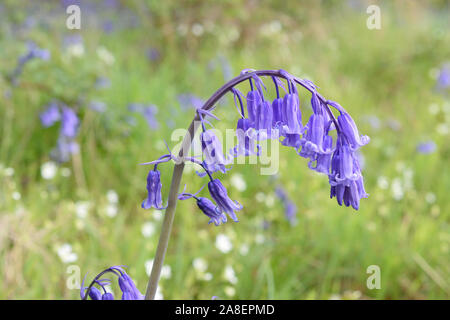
(186, 144)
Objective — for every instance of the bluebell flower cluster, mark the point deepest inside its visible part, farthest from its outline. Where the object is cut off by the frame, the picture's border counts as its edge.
(33, 52)
(330, 144)
(97, 289)
(66, 144)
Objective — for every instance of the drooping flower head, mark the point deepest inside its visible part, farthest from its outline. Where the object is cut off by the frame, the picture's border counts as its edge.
(126, 285)
(207, 207)
(224, 203)
(214, 159)
(346, 180)
(154, 186)
(245, 145)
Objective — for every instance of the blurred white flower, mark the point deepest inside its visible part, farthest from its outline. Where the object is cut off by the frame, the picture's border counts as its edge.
(48, 170)
(223, 243)
(259, 238)
(238, 182)
(430, 197)
(166, 271)
(244, 249)
(112, 196)
(197, 29)
(65, 172)
(75, 50)
(260, 196)
(66, 254)
(442, 129)
(433, 108)
(159, 295)
(397, 189)
(200, 265)
(230, 275)
(16, 195)
(82, 209)
(148, 229)
(111, 210)
(148, 266)
(157, 215)
(270, 200)
(382, 182)
(105, 55)
(8, 172)
(207, 276)
(230, 291)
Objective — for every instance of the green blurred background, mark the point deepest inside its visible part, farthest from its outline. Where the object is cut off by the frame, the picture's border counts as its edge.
(86, 212)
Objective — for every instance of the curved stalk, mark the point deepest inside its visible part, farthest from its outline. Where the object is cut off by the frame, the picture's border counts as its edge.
(178, 170)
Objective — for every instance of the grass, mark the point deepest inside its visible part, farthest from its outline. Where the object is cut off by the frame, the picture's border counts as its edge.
(384, 73)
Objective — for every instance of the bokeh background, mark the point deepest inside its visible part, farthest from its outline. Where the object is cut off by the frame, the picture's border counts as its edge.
(136, 70)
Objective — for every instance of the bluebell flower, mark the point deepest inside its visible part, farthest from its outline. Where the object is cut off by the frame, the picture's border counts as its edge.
(292, 116)
(50, 115)
(245, 145)
(277, 113)
(253, 100)
(69, 122)
(346, 180)
(154, 198)
(426, 147)
(348, 128)
(154, 186)
(224, 203)
(210, 209)
(126, 285)
(212, 151)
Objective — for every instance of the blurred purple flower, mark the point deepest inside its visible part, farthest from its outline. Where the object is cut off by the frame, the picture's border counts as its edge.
(98, 106)
(443, 79)
(153, 54)
(65, 147)
(50, 115)
(290, 209)
(33, 51)
(148, 111)
(426, 147)
(69, 122)
(102, 83)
